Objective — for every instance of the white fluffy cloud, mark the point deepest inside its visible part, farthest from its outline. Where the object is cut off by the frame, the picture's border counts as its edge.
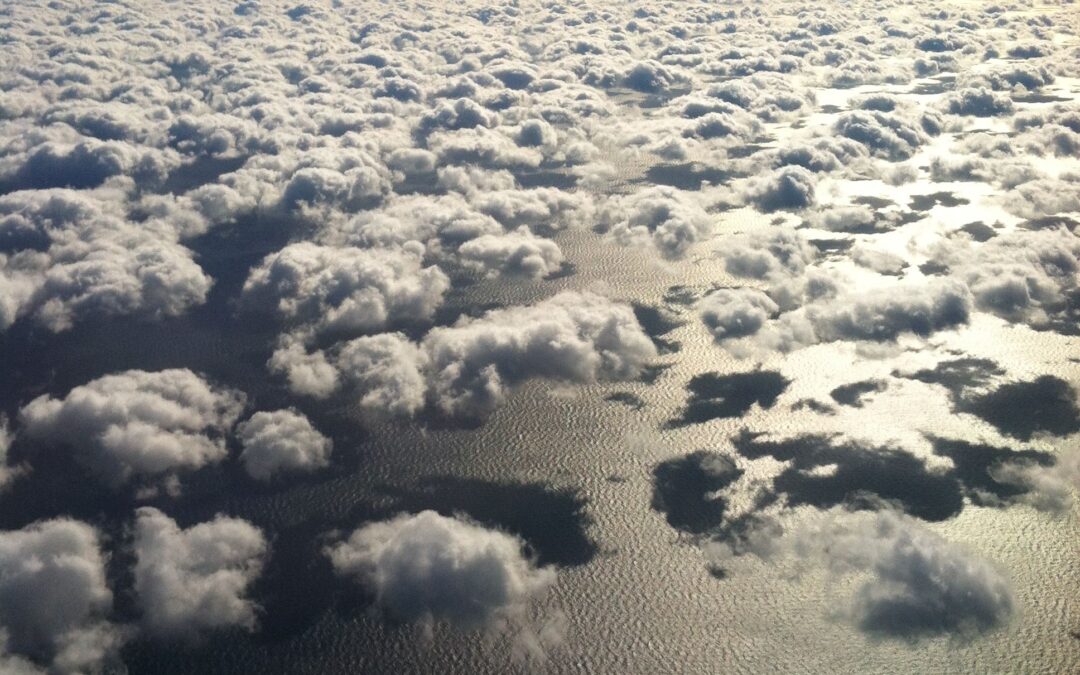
(54, 601)
(1024, 275)
(466, 369)
(138, 423)
(576, 337)
(921, 585)
(279, 441)
(1046, 488)
(427, 567)
(345, 290)
(515, 254)
(196, 579)
(667, 219)
(786, 188)
(64, 257)
(736, 312)
(387, 372)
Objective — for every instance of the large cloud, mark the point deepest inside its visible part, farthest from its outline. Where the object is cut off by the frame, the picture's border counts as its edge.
(466, 369)
(427, 567)
(192, 580)
(1024, 275)
(345, 291)
(138, 423)
(577, 337)
(921, 585)
(65, 257)
(662, 217)
(54, 601)
(736, 312)
(282, 440)
(515, 254)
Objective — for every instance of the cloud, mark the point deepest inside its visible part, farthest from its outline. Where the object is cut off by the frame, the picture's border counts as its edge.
(8, 473)
(466, 369)
(515, 254)
(1024, 276)
(86, 164)
(921, 586)
(54, 600)
(575, 337)
(778, 255)
(189, 581)
(282, 440)
(669, 220)
(1045, 487)
(885, 314)
(426, 567)
(138, 424)
(385, 372)
(1044, 196)
(736, 312)
(786, 188)
(978, 102)
(887, 135)
(345, 291)
(65, 257)
(815, 305)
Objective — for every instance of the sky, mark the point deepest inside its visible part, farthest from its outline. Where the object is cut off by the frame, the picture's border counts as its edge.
(357, 336)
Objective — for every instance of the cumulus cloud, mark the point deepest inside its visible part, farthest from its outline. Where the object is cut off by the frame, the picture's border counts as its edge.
(1024, 275)
(345, 290)
(576, 337)
(516, 254)
(887, 135)
(8, 473)
(1045, 487)
(426, 567)
(193, 580)
(736, 312)
(921, 585)
(138, 424)
(978, 102)
(66, 256)
(787, 188)
(279, 441)
(387, 372)
(54, 600)
(667, 219)
(878, 315)
(467, 369)
(394, 154)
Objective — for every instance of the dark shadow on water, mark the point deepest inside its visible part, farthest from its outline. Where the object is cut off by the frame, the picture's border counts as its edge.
(553, 522)
(956, 375)
(688, 176)
(979, 231)
(658, 322)
(974, 463)
(716, 396)
(927, 202)
(683, 490)
(854, 393)
(1024, 409)
(626, 398)
(864, 477)
(814, 405)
